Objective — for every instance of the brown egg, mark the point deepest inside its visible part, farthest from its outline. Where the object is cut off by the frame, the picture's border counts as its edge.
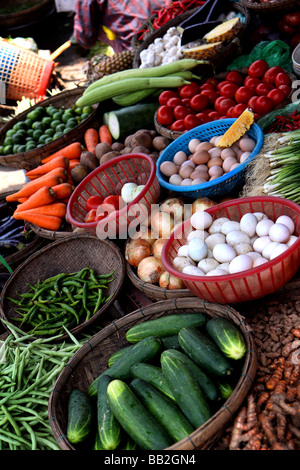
(227, 164)
(244, 156)
(175, 179)
(214, 138)
(185, 171)
(188, 163)
(204, 146)
(200, 157)
(235, 165)
(193, 143)
(227, 152)
(215, 152)
(246, 144)
(186, 182)
(199, 181)
(179, 157)
(201, 168)
(200, 174)
(215, 162)
(215, 171)
(168, 168)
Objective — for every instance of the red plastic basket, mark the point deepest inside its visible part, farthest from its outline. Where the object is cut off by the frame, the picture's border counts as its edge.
(247, 285)
(108, 179)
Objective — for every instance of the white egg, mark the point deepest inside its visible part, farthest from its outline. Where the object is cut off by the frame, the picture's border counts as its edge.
(224, 266)
(201, 220)
(183, 250)
(263, 227)
(223, 252)
(217, 272)
(230, 226)
(193, 271)
(279, 233)
(207, 264)
(236, 236)
(252, 239)
(285, 220)
(291, 240)
(281, 248)
(213, 239)
(267, 251)
(197, 249)
(259, 261)
(260, 243)
(248, 224)
(181, 262)
(260, 215)
(242, 248)
(254, 255)
(217, 225)
(197, 233)
(240, 263)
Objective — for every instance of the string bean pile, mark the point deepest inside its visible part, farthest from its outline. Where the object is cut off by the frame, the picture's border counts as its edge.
(66, 299)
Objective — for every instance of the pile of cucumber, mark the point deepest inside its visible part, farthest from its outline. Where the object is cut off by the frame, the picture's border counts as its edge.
(175, 373)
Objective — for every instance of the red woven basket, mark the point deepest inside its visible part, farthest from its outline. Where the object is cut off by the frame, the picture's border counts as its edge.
(253, 283)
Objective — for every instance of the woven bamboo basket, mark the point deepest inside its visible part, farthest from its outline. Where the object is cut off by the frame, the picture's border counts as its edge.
(66, 256)
(66, 232)
(274, 6)
(39, 9)
(33, 158)
(91, 359)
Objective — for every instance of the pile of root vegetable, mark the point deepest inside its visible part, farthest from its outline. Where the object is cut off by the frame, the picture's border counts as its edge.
(269, 419)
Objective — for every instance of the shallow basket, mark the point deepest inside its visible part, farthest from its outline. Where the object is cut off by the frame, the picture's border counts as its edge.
(66, 256)
(108, 179)
(275, 6)
(52, 234)
(226, 183)
(91, 359)
(39, 9)
(253, 283)
(33, 158)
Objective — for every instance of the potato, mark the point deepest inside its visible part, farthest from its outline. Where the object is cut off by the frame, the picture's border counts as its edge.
(140, 149)
(118, 146)
(126, 150)
(109, 156)
(79, 173)
(89, 160)
(127, 141)
(160, 143)
(102, 149)
(141, 140)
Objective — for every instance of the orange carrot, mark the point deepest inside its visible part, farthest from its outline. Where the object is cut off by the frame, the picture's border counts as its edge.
(70, 180)
(56, 208)
(59, 161)
(32, 186)
(70, 151)
(73, 163)
(91, 139)
(62, 191)
(62, 173)
(105, 135)
(41, 197)
(48, 222)
(22, 199)
(65, 201)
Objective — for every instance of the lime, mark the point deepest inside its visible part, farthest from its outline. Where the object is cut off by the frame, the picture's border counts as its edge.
(30, 132)
(34, 115)
(20, 125)
(15, 148)
(48, 139)
(30, 146)
(71, 122)
(38, 125)
(87, 109)
(54, 123)
(60, 128)
(7, 149)
(8, 141)
(47, 120)
(28, 123)
(50, 131)
(66, 116)
(37, 134)
(1, 150)
(57, 135)
(42, 138)
(22, 148)
(50, 110)
(9, 133)
(57, 115)
(84, 116)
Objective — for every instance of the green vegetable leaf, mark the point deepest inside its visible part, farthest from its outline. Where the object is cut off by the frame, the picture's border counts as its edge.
(2, 261)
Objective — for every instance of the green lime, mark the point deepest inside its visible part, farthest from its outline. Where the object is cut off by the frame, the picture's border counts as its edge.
(58, 115)
(28, 123)
(8, 141)
(7, 150)
(42, 138)
(15, 148)
(47, 120)
(22, 148)
(66, 116)
(49, 131)
(55, 123)
(60, 128)
(20, 125)
(48, 139)
(1, 150)
(37, 134)
(68, 129)
(30, 132)
(87, 109)
(78, 110)
(30, 146)
(71, 122)
(50, 110)
(84, 116)
(34, 115)
(9, 133)
(57, 135)
(39, 125)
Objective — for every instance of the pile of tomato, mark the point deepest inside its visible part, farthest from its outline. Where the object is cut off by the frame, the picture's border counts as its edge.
(263, 89)
(98, 207)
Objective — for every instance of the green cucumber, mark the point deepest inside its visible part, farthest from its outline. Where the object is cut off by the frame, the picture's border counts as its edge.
(171, 342)
(117, 354)
(208, 387)
(164, 410)
(168, 325)
(141, 352)
(135, 419)
(129, 444)
(226, 389)
(227, 337)
(127, 120)
(188, 394)
(204, 352)
(129, 99)
(80, 416)
(108, 427)
(97, 443)
(153, 375)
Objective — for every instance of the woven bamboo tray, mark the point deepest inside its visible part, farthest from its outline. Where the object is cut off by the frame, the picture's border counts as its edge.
(33, 158)
(275, 6)
(39, 9)
(66, 232)
(69, 255)
(91, 359)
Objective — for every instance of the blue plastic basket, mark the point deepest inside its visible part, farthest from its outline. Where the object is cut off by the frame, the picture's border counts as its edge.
(226, 183)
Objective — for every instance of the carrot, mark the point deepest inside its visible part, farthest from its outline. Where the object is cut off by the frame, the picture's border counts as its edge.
(48, 222)
(62, 173)
(56, 208)
(91, 139)
(41, 197)
(62, 191)
(32, 186)
(105, 135)
(59, 161)
(71, 151)
(73, 163)
(22, 199)
(70, 180)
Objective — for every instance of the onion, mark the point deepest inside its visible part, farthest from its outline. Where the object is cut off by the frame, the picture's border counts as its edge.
(174, 207)
(167, 281)
(201, 204)
(150, 269)
(136, 251)
(162, 224)
(157, 247)
(145, 234)
(127, 192)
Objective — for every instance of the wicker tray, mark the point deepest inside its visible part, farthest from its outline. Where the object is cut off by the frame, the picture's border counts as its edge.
(51, 234)
(33, 158)
(275, 6)
(91, 359)
(39, 10)
(68, 256)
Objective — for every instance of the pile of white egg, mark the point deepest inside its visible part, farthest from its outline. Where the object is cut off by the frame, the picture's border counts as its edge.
(223, 246)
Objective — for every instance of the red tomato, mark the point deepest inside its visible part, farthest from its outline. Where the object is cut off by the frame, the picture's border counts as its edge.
(173, 102)
(228, 90)
(285, 28)
(234, 77)
(212, 95)
(187, 91)
(114, 201)
(178, 125)
(165, 115)
(263, 89)
(282, 79)
(224, 104)
(207, 86)
(199, 102)
(238, 109)
(286, 89)
(203, 117)
(180, 112)
(270, 75)
(214, 115)
(93, 202)
(220, 84)
(191, 121)
(90, 216)
(186, 102)
(165, 95)
(277, 96)
(258, 68)
(251, 82)
(207, 111)
(243, 94)
(292, 19)
(213, 81)
(263, 105)
(251, 102)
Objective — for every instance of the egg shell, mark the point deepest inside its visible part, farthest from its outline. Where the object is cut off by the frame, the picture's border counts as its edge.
(224, 266)
(217, 272)
(239, 153)
(186, 171)
(260, 243)
(186, 182)
(197, 233)
(215, 138)
(253, 239)
(179, 157)
(215, 152)
(228, 152)
(223, 252)
(240, 263)
(286, 220)
(180, 262)
(259, 261)
(215, 177)
(200, 157)
(188, 163)
(199, 174)
(263, 227)
(192, 145)
(168, 168)
(216, 161)
(291, 240)
(234, 166)
(229, 226)
(175, 179)
(201, 220)
(197, 249)
(267, 251)
(201, 168)
(279, 233)
(246, 144)
(227, 164)
(198, 181)
(281, 248)
(254, 255)
(213, 240)
(242, 248)
(248, 224)
(204, 146)
(260, 216)
(183, 250)
(215, 171)
(207, 264)
(193, 271)
(244, 156)
(216, 226)
(237, 236)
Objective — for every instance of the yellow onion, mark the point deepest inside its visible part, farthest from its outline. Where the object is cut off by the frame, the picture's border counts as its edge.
(157, 247)
(145, 234)
(168, 281)
(201, 204)
(136, 251)
(162, 224)
(174, 207)
(150, 269)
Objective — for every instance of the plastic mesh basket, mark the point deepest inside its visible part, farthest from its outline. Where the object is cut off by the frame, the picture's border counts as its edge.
(226, 183)
(23, 72)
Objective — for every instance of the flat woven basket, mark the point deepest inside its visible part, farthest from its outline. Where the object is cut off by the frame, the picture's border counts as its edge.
(91, 360)
(66, 231)
(274, 6)
(33, 158)
(38, 9)
(66, 256)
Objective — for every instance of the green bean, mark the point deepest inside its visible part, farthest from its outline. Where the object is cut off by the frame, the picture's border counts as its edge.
(11, 420)
(32, 435)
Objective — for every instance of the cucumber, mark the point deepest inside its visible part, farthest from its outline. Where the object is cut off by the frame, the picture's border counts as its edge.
(204, 352)
(80, 415)
(164, 410)
(171, 342)
(208, 387)
(226, 389)
(141, 352)
(164, 326)
(188, 394)
(135, 419)
(153, 375)
(129, 99)
(108, 427)
(129, 444)
(98, 444)
(227, 337)
(116, 355)
(127, 120)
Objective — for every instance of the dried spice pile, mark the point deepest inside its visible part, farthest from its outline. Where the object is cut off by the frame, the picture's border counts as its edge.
(270, 416)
